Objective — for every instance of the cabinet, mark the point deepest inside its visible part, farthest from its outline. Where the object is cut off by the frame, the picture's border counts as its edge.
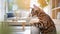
(55, 8)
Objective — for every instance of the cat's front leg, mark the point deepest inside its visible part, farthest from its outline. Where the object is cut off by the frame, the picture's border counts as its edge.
(38, 25)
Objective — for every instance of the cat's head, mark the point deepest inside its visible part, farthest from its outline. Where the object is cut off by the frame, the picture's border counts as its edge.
(35, 11)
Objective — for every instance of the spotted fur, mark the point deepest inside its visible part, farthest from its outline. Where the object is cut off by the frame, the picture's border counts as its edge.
(45, 24)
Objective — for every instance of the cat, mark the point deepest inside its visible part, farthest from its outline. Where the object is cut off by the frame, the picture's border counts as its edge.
(45, 23)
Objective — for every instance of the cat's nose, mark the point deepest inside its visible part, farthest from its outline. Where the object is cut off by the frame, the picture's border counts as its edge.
(32, 15)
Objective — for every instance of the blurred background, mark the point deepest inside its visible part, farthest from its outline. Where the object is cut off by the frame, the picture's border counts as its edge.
(16, 13)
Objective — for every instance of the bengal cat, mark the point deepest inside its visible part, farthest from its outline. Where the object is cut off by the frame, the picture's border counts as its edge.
(45, 24)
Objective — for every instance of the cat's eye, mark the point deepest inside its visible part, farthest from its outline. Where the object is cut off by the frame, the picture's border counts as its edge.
(36, 11)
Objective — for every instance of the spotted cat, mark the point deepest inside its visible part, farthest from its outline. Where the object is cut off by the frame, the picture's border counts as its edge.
(45, 23)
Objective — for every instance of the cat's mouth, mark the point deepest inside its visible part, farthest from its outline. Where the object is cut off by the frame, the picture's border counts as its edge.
(34, 16)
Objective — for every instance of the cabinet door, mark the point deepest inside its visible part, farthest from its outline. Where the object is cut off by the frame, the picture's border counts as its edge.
(55, 13)
(55, 8)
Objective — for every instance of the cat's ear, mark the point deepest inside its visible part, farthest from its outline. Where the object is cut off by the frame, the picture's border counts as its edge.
(35, 6)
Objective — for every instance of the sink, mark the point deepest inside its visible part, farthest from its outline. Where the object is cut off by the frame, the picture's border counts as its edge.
(18, 30)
